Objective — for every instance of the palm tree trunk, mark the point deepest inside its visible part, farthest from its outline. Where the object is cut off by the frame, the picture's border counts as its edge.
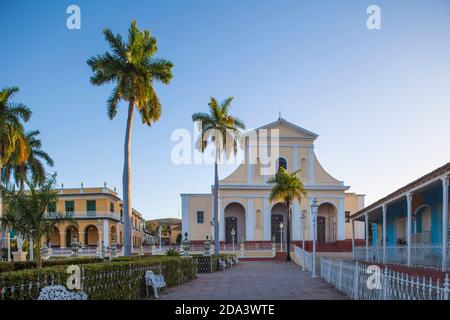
(126, 181)
(288, 232)
(216, 205)
(37, 240)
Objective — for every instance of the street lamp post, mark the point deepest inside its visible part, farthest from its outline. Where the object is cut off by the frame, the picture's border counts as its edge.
(233, 234)
(8, 240)
(314, 207)
(303, 217)
(281, 236)
(160, 229)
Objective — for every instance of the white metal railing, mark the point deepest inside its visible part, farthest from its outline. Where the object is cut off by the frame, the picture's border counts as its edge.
(84, 214)
(82, 252)
(356, 281)
(422, 255)
(303, 258)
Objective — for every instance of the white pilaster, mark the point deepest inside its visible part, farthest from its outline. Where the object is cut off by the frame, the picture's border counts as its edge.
(221, 220)
(295, 160)
(266, 220)
(249, 162)
(250, 221)
(445, 181)
(296, 225)
(384, 209)
(341, 219)
(185, 214)
(408, 227)
(311, 161)
(106, 232)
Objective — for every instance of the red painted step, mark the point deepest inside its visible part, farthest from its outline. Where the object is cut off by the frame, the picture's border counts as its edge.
(280, 256)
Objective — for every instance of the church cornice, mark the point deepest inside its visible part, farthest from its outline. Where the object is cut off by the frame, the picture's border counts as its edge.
(268, 187)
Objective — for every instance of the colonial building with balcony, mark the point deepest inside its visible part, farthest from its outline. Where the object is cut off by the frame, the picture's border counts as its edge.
(244, 205)
(98, 215)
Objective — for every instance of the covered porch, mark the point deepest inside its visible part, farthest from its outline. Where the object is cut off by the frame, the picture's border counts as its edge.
(409, 226)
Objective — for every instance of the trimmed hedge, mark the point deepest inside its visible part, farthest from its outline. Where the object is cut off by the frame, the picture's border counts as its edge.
(101, 281)
(23, 265)
(204, 263)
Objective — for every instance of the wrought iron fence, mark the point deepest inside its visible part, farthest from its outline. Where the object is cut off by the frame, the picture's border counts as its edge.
(360, 283)
(89, 284)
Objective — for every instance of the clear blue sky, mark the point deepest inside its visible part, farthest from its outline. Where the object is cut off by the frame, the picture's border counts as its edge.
(380, 100)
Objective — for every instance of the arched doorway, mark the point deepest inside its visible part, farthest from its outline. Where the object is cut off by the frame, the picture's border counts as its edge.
(91, 235)
(234, 219)
(422, 224)
(279, 215)
(326, 223)
(113, 235)
(55, 240)
(71, 231)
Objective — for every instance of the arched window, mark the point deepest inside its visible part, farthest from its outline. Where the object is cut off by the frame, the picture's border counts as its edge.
(282, 163)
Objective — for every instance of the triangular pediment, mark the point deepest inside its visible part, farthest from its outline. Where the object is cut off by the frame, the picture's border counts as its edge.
(288, 130)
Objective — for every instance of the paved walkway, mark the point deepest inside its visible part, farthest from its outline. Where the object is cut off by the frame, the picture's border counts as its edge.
(255, 280)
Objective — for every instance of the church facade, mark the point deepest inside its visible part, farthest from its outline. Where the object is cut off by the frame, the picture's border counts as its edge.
(244, 206)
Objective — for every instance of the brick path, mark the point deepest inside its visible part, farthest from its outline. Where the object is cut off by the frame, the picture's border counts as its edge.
(255, 280)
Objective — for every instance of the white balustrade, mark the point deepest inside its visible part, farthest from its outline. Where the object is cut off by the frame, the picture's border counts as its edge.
(356, 281)
(422, 255)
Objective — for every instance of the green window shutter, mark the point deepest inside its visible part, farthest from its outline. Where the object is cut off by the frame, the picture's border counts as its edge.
(70, 206)
(111, 206)
(91, 205)
(51, 207)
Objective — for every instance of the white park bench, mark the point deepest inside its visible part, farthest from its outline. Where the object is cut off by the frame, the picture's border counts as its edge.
(229, 262)
(59, 292)
(154, 281)
(235, 260)
(222, 264)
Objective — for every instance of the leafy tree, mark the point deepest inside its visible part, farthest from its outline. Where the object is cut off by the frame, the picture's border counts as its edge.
(25, 211)
(33, 165)
(222, 130)
(152, 227)
(287, 187)
(179, 238)
(133, 69)
(13, 147)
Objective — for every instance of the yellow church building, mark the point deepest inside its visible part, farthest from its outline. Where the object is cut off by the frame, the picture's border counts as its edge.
(244, 195)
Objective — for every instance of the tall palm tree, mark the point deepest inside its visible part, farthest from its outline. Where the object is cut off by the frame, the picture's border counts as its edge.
(33, 165)
(133, 69)
(12, 140)
(222, 130)
(287, 187)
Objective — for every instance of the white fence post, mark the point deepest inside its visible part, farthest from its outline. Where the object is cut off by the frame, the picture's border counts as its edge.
(340, 276)
(356, 281)
(446, 287)
(385, 283)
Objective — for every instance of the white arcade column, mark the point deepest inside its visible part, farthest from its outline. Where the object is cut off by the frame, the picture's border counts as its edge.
(341, 219)
(249, 221)
(267, 235)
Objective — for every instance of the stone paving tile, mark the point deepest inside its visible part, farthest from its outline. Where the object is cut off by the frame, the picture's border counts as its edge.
(255, 280)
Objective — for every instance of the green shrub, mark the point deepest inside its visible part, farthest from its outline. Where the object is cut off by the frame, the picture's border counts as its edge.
(123, 278)
(172, 252)
(6, 266)
(23, 265)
